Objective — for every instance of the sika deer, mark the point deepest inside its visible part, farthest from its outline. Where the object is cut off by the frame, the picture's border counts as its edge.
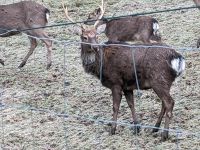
(131, 28)
(25, 15)
(157, 68)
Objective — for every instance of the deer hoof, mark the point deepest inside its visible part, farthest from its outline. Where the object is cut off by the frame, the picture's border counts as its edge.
(48, 66)
(136, 129)
(164, 136)
(155, 130)
(21, 65)
(112, 131)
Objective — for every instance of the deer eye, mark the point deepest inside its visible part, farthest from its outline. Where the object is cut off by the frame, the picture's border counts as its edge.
(85, 37)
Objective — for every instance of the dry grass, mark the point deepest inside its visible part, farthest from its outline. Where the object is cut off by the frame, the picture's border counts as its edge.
(37, 87)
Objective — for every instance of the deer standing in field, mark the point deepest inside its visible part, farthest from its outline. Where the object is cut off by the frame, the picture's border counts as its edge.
(26, 15)
(131, 28)
(157, 68)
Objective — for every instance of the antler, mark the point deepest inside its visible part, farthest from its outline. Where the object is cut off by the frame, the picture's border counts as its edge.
(102, 13)
(67, 14)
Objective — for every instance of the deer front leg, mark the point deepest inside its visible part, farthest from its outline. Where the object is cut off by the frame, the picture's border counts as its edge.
(130, 101)
(33, 46)
(117, 95)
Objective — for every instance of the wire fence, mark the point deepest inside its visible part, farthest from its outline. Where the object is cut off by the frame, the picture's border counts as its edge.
(71, 124)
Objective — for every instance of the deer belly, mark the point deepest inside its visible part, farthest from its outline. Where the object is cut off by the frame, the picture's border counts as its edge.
(6, 33)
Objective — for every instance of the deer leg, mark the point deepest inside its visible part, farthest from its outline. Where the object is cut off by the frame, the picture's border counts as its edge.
(44, 38)
(117, 95)
(169, 104)
(33, 46)
(168, 108)
(48, 44)
(157, 125)
(198, 43)
(130, 101)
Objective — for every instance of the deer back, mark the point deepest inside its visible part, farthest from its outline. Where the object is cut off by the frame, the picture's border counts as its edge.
(22, 15)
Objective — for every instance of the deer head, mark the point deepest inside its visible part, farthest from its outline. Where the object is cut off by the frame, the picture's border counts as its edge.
(88, 35)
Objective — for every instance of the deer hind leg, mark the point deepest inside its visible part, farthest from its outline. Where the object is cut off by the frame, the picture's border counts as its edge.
(117, 95)
(167, 110)
(198, 43)
(157, 125)
(44, 38)
(169, 104)
(33, 46)
(48, 44)
(129, 98)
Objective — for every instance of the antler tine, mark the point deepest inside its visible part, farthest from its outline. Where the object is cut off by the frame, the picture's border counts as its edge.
(102, 13)
(67, 14)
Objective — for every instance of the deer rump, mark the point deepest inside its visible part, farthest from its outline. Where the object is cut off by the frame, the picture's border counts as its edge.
(154, 66)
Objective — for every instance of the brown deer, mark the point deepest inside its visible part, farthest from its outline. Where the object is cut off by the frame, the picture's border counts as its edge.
(131, 28)
(156, 67)
(25, 15)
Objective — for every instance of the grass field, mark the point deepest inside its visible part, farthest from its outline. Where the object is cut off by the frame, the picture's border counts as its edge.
(33, 85)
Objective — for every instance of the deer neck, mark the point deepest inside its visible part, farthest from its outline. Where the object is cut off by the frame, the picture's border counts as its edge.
(90, 60)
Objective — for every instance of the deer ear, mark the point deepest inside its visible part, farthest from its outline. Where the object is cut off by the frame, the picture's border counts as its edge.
(101, 28)
(98, 11)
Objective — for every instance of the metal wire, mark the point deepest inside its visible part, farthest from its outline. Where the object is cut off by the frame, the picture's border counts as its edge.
(65, 99)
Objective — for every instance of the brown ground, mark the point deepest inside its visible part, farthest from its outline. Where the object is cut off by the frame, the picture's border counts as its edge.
(34, 86)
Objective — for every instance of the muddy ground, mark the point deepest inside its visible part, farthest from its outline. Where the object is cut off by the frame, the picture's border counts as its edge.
(35, 87)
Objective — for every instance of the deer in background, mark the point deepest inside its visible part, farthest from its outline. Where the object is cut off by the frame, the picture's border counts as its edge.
(25, 15)
(157, 68)
(131, 28)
